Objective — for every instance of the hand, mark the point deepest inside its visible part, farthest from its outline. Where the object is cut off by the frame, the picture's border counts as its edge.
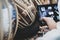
(44, 29)
(50, 22)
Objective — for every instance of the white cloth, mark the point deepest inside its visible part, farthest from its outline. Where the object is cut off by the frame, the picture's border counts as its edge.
(51, 35)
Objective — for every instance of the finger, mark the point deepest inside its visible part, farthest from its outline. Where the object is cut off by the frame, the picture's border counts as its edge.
(47, 19)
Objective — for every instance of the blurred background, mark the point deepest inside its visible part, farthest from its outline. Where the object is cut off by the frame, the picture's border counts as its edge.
(20, 19)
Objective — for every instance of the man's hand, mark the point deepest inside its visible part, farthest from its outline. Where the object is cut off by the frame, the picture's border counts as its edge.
(50, 22)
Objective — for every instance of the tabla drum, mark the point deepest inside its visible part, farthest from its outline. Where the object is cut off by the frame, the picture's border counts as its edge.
(26, 14)
(24, 18)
